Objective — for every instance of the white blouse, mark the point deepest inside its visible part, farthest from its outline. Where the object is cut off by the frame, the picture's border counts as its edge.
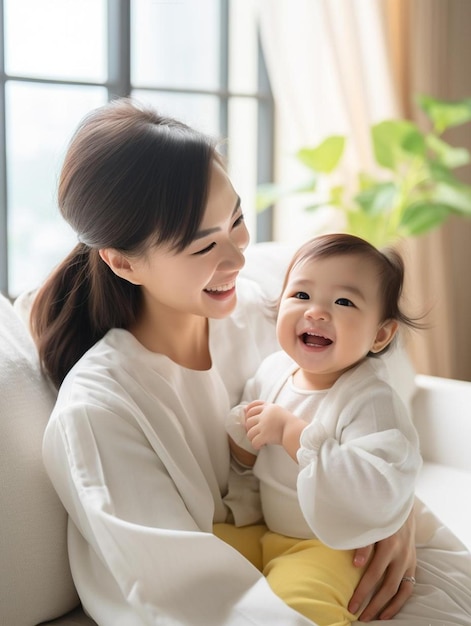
(137, 450)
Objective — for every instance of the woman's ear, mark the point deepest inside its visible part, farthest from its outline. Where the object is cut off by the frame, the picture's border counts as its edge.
(384, 336)
(119, 264)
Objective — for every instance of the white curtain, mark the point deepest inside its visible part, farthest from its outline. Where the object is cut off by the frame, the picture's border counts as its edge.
(330, 74)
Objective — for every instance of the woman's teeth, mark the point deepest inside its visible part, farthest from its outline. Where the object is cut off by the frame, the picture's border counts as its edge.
(225, 287)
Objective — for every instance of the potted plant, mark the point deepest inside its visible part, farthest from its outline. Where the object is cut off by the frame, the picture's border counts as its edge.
(414, 188)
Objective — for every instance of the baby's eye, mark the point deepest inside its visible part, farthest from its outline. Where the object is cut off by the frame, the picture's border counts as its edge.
(204, 250)
(301, 295)
(344, 302)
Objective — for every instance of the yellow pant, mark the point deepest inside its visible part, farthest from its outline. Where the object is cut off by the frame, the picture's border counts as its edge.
(311, 578)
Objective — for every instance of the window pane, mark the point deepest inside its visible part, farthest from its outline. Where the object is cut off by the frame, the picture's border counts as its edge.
(243, 46)
(175, 44)
(242, 155)
(40, 121)
(200, 112)
(62, 39)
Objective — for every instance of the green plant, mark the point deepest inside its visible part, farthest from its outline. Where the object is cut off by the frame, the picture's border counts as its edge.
(414, 189)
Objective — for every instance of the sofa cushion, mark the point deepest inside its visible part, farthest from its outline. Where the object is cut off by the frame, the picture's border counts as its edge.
(36, 583)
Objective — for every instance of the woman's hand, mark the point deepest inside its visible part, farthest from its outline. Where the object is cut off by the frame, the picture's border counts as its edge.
(390, 560)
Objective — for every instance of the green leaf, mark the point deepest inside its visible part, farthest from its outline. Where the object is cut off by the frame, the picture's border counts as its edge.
(445, 114)
(325, 157)
(441, 173)
(335, 199)
(269, 193)
(317, 205)
(365, 180)
(378, 198)
(447, 155)
(414, 142)
(372, 228)
(336, 195)
(421, 217)
(395, 140)
(456, 197)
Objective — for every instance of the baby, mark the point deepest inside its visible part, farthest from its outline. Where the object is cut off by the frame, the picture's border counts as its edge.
(330, 441)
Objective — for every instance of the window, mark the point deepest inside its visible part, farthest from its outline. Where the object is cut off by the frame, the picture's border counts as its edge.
(199, 61)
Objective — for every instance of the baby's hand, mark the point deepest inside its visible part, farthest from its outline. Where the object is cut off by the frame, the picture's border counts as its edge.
(265, 423)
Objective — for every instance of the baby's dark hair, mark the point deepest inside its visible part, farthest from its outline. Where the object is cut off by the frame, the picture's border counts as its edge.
(388, 262)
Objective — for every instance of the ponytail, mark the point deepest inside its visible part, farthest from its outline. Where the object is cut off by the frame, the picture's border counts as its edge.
(76, 306)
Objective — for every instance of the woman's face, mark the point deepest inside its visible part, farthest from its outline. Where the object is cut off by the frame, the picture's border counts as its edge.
(199, 280)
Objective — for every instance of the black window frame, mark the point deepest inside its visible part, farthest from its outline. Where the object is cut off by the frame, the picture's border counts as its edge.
(119, 84)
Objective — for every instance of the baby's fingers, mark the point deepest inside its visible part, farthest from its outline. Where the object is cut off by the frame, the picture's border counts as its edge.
(254, 408)
(254, 437)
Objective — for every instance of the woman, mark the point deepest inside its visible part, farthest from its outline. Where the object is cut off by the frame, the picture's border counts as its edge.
(143, 331)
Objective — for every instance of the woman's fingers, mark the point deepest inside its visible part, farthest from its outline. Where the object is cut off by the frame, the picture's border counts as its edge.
(382, 585)
(363, 555)
(384, 574)
(368, 583)
(389, 594)
(406, 588)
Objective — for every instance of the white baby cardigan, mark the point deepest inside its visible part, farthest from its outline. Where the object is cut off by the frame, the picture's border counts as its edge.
(358, 460)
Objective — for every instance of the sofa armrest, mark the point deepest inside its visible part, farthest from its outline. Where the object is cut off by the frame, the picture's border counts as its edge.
(441, 409)
(442, 415)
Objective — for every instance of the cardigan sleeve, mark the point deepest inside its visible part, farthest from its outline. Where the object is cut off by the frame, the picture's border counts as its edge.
(356, 481)
(235, 421)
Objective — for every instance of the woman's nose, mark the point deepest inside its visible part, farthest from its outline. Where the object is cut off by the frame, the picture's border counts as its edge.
(233, 256)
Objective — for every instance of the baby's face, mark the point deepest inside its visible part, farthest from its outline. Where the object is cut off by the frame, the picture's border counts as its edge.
(330, 315)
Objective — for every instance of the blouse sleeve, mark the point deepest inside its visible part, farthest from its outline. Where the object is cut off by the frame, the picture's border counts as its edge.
(235, 421)
(140, 553)
(356, 485)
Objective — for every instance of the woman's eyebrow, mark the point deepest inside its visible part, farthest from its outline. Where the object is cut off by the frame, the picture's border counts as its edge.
(207, 231)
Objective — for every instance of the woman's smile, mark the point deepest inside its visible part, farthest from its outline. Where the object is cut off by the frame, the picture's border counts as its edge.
(221, 289)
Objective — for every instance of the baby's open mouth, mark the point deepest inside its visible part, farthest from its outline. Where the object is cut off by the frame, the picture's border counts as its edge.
(315, 341)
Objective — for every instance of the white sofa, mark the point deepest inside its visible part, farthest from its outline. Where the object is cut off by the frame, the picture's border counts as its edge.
(442, 414)
(35, 582)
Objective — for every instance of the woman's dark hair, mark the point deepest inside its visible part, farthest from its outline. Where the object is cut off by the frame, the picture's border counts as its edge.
(131, 179)
(388, 261)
